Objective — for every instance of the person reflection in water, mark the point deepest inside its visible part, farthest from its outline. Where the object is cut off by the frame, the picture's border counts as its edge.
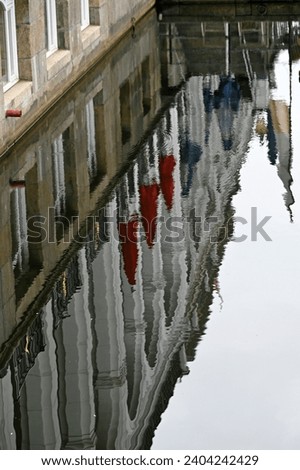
(225, 101)
(190, 155)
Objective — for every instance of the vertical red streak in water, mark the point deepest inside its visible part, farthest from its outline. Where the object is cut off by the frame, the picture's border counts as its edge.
(128, 236)
(166, 167)
(149, 194)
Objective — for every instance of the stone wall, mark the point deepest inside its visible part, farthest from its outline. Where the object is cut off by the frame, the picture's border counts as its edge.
(31, 163)
(43, 77)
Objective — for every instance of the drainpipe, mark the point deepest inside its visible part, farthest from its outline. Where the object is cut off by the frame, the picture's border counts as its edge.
(13, 113)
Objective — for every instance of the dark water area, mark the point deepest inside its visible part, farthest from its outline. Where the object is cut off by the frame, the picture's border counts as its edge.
(149, 235)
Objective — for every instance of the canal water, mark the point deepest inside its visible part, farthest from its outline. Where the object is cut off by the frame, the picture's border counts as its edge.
(149, 232)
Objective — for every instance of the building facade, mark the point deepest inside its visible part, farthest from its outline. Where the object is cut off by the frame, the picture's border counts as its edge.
(46, 46)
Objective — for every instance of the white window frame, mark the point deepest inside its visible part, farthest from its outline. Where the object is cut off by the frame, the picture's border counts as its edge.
(85, 13)
(21, 256)
(59, 183)
(91, 138)
(51, 25)
(11, 43)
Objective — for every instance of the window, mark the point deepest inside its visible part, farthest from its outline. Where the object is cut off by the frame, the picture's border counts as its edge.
(85, 15)
(51, 26)
(125, 112)
(8, 44)
(91, 140)
(146, 86)
(95, 132)
(20, 250)
(59, 175)
(65, 191)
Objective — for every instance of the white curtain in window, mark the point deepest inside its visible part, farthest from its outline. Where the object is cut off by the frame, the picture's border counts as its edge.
(59, 175)
(51, 26)
(91, 138)
(20, 258)
(85, 15)
(10, 37)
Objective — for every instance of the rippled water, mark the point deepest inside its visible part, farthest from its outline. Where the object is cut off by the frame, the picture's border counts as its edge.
(149, 275)
(243, 387)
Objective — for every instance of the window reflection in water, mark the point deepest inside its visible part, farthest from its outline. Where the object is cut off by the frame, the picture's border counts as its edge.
(116, 316)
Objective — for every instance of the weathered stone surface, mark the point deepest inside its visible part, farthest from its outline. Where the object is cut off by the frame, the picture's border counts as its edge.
(22, 12)
(114, 17)
(23, 39)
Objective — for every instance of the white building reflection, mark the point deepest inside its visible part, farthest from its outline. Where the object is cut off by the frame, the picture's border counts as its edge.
(120, 316)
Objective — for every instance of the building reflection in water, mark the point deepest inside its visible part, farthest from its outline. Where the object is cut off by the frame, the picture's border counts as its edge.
(107, 275)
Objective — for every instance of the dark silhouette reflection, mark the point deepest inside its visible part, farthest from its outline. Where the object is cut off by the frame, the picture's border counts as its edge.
(272, 148)
(226, 101)
(191, 153)
(94, 344)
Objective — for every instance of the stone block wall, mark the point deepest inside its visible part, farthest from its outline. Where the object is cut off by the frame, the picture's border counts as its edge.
(43, 78)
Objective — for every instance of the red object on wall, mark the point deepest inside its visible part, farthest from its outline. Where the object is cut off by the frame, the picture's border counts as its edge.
(13, 113)
(14, 184)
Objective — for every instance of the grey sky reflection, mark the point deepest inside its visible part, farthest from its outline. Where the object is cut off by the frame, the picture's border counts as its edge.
(244, 385)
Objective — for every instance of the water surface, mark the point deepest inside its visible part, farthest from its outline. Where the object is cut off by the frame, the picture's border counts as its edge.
(143, 302)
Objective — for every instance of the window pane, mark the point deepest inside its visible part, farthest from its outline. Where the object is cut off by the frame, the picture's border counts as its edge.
(8, 45)
(91, 139)
(20, 252)
(3, 52)
(85, 16)
(51, 25)
(59, 175)
(11, 44)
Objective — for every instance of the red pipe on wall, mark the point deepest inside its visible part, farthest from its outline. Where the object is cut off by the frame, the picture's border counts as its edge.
(14, 184)
(13, 113)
